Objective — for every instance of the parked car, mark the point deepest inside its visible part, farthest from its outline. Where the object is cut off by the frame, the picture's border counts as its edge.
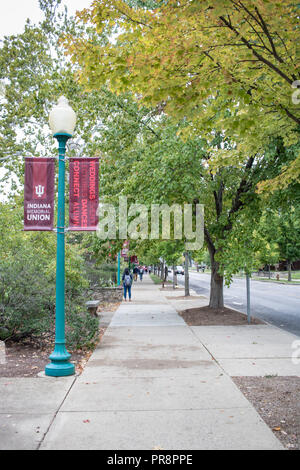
(179, 270)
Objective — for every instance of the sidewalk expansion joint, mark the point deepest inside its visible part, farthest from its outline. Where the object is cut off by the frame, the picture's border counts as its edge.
(56, 413)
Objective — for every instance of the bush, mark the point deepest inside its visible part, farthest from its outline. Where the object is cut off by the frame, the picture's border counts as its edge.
(104, 275)
(27, 297)
(27, 285)
(27, 304)
(81, 327)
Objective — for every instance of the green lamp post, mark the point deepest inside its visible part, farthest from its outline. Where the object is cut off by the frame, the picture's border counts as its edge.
(62, 122)
(119, 268)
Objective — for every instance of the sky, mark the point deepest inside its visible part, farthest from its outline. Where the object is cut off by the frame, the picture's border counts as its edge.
(15, 12)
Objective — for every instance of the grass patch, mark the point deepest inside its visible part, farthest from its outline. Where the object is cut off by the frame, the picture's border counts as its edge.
(155, 279)
(158, 280)
(280, 281)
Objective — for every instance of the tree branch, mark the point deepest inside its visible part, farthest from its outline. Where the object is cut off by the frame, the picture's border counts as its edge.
(209, 241)
(259, 56)
(237, 203)
(266, 31)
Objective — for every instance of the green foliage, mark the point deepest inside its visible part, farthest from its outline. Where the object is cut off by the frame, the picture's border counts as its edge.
(223, 65)
(82, 329)
(103, 275)
(27, 283)
(27, 296)
(155, 279)
(282, 226)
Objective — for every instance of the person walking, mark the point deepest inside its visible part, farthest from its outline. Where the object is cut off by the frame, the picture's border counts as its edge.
(127, 283)
(135, 273)
(141, 273)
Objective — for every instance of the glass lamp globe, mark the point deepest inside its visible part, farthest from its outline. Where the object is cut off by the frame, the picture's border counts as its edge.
(62, 118)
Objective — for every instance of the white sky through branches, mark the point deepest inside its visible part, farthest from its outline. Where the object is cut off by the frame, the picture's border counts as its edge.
(15, 12)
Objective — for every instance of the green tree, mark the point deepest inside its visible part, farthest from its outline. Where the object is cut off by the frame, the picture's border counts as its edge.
(282, 226)
(222, 64)
(166, 169)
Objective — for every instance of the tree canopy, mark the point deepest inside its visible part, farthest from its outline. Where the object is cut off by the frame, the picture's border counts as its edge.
(228, 65)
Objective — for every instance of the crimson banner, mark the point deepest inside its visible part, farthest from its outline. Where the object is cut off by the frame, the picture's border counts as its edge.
(39, 193)
(84, 193)
(125, 249)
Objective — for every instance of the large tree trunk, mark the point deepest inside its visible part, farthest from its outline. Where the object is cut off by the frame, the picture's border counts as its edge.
(186, 275)
(216, 284)
(174, 277)
(162, 271)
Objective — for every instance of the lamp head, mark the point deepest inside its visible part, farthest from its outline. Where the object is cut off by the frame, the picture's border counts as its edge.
(62, 118)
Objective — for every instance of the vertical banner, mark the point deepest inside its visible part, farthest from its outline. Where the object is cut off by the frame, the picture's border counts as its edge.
(125, 249)
(39, 193)
(84, 193)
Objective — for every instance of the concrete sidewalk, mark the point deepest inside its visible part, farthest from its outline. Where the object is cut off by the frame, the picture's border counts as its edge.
(152, 383)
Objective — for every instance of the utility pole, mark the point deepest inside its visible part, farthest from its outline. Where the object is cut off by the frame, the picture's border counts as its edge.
(186, 275)
(119, 266)
(248, 297)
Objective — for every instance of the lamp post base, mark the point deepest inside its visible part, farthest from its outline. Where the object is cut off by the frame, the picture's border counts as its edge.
(60, 365)
(60, 369)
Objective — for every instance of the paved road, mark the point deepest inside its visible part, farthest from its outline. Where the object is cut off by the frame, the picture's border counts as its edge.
(279, 304)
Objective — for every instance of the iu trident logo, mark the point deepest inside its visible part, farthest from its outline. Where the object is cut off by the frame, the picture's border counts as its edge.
(39, 190)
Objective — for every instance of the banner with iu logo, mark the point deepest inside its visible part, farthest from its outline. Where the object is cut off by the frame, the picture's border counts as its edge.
(39, 193)
(84, 193)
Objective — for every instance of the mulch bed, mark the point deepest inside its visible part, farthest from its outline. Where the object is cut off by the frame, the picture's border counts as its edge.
(28, 360)
(205, 316)
(277, 400)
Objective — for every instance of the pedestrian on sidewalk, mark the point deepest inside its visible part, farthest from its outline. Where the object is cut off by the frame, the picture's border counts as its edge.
(141, 273)
(127, 283)
(135, 273)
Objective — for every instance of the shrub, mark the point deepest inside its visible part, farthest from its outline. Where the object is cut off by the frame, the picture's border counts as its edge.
(27, 297)
(27, 285)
